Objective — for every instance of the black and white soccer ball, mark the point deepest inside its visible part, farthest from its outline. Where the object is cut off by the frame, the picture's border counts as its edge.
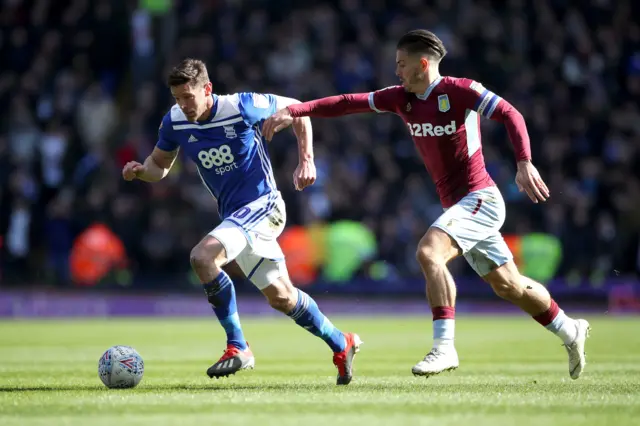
(121, 367)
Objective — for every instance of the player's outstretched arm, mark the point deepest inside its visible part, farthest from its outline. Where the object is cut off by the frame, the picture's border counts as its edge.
(305, 173)
(301, 128)
(332, 106)
(155, 167)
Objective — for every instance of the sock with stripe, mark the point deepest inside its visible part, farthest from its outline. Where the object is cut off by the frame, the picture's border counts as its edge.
(222, 295)
(556, 321)
(308, 316)
(444, 327)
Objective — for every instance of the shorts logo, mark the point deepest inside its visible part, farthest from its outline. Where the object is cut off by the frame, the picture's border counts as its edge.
(443, 103)
(275, 219)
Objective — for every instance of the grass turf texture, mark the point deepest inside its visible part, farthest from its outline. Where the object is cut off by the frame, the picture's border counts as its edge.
(512, 372)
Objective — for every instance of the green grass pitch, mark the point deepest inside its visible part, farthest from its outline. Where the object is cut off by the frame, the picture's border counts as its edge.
(512, 372)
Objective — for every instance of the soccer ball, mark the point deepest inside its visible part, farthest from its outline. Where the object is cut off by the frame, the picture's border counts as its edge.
(121, 367)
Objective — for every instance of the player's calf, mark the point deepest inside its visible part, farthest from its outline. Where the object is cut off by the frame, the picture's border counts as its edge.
(207, 258)
(435, 250)
(301, 307)
(221, 294)
(282, 296)
(533, 298)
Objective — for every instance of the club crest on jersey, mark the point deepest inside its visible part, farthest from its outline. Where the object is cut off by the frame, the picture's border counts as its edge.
(408, 106)
(230, 132)
(443, 103)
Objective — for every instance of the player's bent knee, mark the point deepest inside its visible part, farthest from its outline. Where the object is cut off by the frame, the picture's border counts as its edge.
(508, 290)
(234, 271)
(436, 249)
(200, 258)
(282, 303)
(207, 252)
(505, 282)
(282, 295)
(428, 257)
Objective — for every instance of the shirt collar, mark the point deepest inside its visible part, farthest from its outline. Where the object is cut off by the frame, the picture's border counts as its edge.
(426, 93)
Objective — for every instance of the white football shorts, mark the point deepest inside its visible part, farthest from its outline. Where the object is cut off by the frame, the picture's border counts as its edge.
(474, 223)
(249, 237)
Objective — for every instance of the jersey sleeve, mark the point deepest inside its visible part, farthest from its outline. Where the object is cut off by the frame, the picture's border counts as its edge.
(166, 137)
(490, 105)
(476, 97)
(283, 102)
(387, 99)
(255, 107)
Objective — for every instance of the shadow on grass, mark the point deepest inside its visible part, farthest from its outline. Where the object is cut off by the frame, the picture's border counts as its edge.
(171, 388)
(356, 387)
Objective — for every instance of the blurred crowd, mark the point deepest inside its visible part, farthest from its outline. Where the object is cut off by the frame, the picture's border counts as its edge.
(82, 92)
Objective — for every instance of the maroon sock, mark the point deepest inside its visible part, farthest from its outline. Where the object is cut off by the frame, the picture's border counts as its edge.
(549, 315)
(443, 312)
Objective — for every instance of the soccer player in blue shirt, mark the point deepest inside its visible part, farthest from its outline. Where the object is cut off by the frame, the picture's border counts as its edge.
(222, 135)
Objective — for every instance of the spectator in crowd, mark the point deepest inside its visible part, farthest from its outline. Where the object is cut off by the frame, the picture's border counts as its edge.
(82, 93)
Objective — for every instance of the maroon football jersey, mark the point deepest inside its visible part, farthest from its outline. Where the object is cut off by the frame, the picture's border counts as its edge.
(444, 123)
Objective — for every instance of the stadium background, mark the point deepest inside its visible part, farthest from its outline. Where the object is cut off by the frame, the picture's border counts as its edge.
(82, 92)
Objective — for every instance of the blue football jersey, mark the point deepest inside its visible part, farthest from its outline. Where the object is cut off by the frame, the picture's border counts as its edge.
(229, 150)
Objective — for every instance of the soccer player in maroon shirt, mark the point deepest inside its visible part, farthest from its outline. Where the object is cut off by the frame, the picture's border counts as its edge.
(443, 116)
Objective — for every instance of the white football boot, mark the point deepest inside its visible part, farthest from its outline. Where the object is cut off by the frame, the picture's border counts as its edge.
(577, 357)
(437, 361)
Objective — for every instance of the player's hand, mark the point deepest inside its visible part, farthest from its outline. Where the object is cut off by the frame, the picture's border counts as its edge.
(528, 180)
(278, 121)
(133, 170)
(305, 175)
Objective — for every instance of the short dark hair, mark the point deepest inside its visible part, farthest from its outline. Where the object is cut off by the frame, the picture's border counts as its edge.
(190, 71)
(422, 42)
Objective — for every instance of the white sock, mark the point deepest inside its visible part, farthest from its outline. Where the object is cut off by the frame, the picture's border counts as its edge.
(443, 334)
(564, 327)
